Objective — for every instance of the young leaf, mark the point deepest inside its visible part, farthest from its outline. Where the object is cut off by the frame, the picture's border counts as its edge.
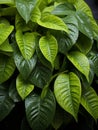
(25, 8)
(67, 89)
(89, 101)
(7, 67)
(52, 22)
(24, 88)
(26, 43)
(5, 31)
(40, 112)
(49, 47)
(6, 103)
(80, 61)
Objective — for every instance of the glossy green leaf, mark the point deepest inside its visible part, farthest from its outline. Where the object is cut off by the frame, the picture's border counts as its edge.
(95, 61)
(49, 47)
(52, 22)
(84, 24)
(89, 101)
(63, 9)
(13, 94)
(40, 75)
(7, 67)
(67, 89)
(5, 31)
(6, 103)
(25, 8)
(80, 61)
(26, 43)
(84, 7)
(40, 112)
(25, 67)
(84, 44)
(5, 46)
(66, 42)
(23, 87)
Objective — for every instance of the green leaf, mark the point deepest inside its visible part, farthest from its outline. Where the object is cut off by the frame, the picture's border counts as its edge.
(58, 118)
(13, 94)
(52, 22)
(23, 87)
(49, 47)
(25, 8)
(67, 89)
(84, 7)
(84, 44)
(80, 61)
(5, 31)
(40, 75)
(66, 41)
(6, 103)
(7, 67)
(5, 46)
(40, 112)
(89, 101)
(84, 24)
(25, 67)
(26, 43)
(63, 9)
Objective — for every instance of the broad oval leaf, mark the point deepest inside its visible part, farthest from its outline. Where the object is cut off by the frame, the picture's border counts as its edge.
(89, 101)
(25, 67)
(23, 87)
(40, 112)
(49, 47)
(5, 31)
(26, 43)
(67, 89)
(84, 24)
(40, 75)
(80, 61)
(6, 103)
(52, 22)
(7, 67)
(25, 8)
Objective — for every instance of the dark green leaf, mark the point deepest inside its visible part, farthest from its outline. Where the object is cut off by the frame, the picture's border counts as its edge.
(25, 67)
(13, 94)
(25, 8)
(84, 24)
(7, 67)
(40, 112)
(40, 75)
(6, 103)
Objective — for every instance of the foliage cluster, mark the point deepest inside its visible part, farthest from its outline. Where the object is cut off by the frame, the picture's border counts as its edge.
(48, 61)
